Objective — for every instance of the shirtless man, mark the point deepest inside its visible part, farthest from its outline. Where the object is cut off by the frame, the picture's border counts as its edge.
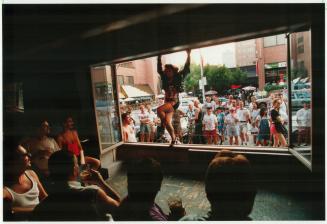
(69, 140)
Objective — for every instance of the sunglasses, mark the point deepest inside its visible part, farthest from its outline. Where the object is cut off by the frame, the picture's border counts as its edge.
(26, 154)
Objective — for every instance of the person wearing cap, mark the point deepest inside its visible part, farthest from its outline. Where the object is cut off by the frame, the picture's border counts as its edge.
(210, 124)
(232, 127)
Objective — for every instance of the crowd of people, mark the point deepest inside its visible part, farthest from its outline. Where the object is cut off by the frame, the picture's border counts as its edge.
(221, 123)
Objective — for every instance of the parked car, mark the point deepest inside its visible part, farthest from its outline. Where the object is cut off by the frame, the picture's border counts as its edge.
(299, 97)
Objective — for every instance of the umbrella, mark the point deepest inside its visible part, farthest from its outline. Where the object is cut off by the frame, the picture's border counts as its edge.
(129, 99)
(210, 92)
(161, 96)
(248, 88)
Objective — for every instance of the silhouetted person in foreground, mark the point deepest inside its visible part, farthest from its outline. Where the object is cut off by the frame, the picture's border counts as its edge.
(68, 200)
(144, 180)
(230, 188)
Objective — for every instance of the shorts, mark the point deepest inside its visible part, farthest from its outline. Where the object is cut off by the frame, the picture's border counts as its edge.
(221, 130)
(233, 131)
(209, 134)
(244, 127)
(145, 129)
(167, 107)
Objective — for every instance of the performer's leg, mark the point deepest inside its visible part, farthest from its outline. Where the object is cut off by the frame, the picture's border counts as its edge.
(169, 126)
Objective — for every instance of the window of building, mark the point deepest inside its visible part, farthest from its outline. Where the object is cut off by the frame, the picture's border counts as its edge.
(300, 40)
(269, 41)
(274, 40)
(129, 80)
(300, 49)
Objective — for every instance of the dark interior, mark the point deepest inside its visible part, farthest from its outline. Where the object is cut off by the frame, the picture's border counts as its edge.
(50, 48)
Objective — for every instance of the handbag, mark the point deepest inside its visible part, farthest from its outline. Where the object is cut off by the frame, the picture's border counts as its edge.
(281, 128)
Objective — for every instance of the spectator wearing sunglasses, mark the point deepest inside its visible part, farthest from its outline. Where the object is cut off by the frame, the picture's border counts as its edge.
(22, 189)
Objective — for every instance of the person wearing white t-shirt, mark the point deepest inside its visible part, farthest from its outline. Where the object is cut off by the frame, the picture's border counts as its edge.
(145, 129)
(153, 121)
(303, 119)
(231, 121)
(210, 124)
(244, 116)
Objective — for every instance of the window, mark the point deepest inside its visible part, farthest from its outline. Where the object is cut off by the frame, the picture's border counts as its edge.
(274, 40)
(129, 80)
(221, 80)
(300, 49)
(269, 41)
(106, 107)
(301, 96)
(300, 40)
(281, 39)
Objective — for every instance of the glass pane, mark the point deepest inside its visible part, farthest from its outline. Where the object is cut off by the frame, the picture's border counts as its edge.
(234, 73)
(300, 44)
(281, 39)
(269, 41)
(106, 107)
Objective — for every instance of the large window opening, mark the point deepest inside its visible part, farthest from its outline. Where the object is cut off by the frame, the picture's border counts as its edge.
(239, 81)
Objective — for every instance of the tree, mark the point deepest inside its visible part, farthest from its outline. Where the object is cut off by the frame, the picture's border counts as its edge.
(191, 82)
(219, 78)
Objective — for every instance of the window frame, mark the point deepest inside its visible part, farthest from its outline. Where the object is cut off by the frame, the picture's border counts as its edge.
(242, 149)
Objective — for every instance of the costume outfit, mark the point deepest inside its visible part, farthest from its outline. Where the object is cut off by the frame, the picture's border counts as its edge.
(27, 199)
(172, 89)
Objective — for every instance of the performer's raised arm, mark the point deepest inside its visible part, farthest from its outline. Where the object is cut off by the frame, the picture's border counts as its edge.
(186, 69)
(159, 66)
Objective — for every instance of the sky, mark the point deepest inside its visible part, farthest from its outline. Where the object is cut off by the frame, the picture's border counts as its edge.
(213, 55)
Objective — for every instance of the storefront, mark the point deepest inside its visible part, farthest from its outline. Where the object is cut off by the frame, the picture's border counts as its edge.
(275, 72)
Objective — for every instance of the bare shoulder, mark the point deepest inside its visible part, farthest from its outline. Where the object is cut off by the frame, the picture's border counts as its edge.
(6, 195)
(32, 174)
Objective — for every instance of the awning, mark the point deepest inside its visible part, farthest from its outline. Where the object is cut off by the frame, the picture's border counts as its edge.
(136, 92)
(121, 96)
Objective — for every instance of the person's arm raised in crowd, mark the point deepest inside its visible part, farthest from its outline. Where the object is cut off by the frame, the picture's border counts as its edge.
(186, 69)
